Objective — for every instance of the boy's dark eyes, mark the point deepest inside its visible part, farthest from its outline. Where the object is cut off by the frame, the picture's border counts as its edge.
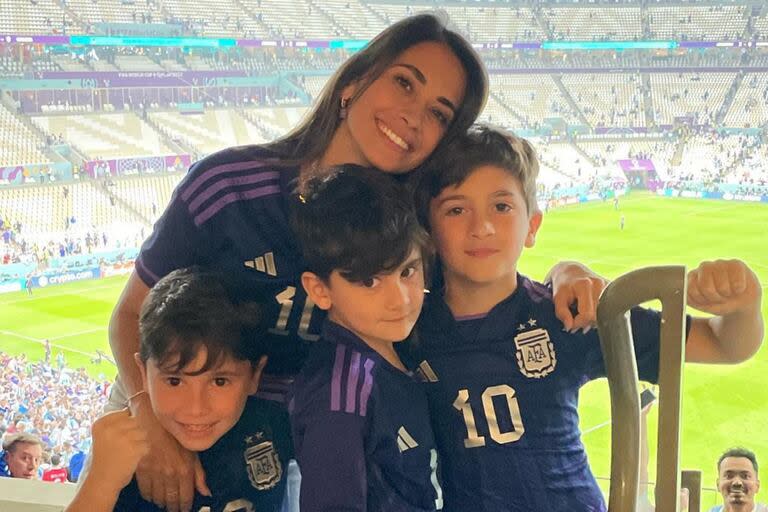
(371, 282)
(173, 381)
(221, 381)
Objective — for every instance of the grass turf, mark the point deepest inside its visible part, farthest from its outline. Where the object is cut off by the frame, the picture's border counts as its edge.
(723, 405)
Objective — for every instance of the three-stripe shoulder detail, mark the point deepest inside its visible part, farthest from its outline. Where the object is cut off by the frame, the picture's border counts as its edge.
(351, 381)
(214, 188)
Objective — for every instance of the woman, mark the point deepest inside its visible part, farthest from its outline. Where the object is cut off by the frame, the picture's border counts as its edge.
(392, 105)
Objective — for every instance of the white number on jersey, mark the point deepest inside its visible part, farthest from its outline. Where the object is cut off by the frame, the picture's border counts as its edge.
(285, 299)
(241, 505)
(435, 482)
(475, 440)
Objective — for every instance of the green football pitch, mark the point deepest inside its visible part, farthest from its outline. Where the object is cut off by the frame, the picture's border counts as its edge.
(723, 405)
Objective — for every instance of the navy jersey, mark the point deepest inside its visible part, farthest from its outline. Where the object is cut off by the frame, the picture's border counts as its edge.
(361, 431)
(503, 394)
(244, 469)
(230, 214)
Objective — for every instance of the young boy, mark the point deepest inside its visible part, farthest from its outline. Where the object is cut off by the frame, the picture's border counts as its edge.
(198, 368)
(503, 374)
(360, 422)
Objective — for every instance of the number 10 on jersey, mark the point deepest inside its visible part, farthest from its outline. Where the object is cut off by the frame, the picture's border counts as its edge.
(474, 439)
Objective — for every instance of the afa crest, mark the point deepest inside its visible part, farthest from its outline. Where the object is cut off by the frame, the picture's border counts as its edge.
(263, 464)
(535, 353)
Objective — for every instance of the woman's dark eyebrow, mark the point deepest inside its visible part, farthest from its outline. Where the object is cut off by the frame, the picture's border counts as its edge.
(423, 80)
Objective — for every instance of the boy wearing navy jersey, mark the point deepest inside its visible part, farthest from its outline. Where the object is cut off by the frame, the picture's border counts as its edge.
(360, 421)
(198, 368)
(502, 374)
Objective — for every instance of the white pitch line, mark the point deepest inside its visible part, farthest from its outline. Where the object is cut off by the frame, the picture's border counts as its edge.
(42, 341)
(39, 297)
(703, 211)
(22, 336)
(596, 427)
(88, 331)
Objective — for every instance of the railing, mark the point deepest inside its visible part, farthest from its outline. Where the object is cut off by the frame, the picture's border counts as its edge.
(667, 284)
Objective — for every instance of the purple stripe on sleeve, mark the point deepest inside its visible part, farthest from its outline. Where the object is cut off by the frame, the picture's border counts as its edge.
(219, 169)
(233, 197)
(365, 393)
(537, 291)
(338, 367)
(470, 317)
(144, 272)
(352, 378)
(230, 182)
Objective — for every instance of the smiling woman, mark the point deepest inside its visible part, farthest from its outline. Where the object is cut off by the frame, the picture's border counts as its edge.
(393, 105)
(397, 121)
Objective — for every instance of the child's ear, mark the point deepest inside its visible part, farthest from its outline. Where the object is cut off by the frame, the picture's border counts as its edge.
(142, 369)
(256, 376)
(534, 223)
(317, 290)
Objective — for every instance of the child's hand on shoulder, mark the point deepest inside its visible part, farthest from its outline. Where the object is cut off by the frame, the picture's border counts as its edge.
(722, 287)
(576, 291)
(119, 443)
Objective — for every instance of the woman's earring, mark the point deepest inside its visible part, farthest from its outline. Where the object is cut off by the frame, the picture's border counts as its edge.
(343, 110)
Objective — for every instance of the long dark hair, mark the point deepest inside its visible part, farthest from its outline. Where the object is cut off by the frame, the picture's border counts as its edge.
(308, 141)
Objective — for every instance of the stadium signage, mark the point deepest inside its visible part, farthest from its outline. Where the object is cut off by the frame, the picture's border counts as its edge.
(142, 78)
(743, 197)
(117, 269)
(138, 165)
(65, 277)
(10, 286)
(349, 44)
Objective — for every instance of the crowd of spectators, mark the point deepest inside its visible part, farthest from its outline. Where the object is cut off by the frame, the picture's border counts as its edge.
(53, 403)
(15, 248)
(731, 165)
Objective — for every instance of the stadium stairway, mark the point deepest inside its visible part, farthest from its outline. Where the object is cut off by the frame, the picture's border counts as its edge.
(509, 109)
(178, 146)
(329, 17)
(648, 100)
(574, 106)
(120, 202)
(645, 22)
(583, 153)
(74, 18)
(254, 17)
(542, 23)
(378, 15)
(10, 106)
(677, 156)
(729, 97)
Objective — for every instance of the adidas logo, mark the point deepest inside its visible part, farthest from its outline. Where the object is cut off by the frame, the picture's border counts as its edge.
(405, 441)
(265, 263)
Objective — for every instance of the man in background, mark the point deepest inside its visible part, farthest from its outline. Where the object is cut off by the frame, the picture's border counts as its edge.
(738, 482)
(21, 456)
